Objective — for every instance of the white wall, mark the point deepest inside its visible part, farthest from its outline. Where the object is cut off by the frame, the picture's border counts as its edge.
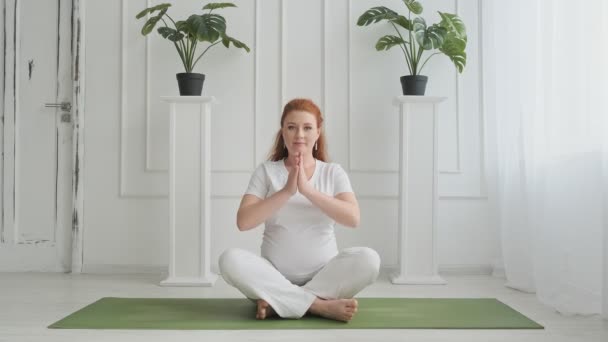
(300, 48)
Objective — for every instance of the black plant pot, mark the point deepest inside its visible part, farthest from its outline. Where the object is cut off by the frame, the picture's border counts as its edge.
(190, 83)
(413, 84)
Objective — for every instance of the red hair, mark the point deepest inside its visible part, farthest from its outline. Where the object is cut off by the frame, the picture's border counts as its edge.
(279, 151)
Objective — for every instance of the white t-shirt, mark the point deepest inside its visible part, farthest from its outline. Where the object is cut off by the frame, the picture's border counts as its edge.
(299, 238)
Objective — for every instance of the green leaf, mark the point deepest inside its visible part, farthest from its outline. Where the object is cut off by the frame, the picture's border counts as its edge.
(183, 26)
(420, 33)
(428, 37)
(403, 22)
(436, 34)
(226, 40)
(149, 25)
(453, 24)
(453, 43)
(216, 5)
(171, 34)
(152, 10)
(419, 27)
(459, 60)
(376, 14)
(414, 6)
(453, 47)
(387, 42)
(186, 28)
(207, 27)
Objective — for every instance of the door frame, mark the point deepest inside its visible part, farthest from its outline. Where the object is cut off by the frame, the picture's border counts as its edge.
(64, 253)
(78, 105)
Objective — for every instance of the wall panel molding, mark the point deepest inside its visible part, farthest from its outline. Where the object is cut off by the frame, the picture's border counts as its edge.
(256, 70)
(323, 38)
(126, 190)
(146, 185)
(457, 177)
(283, 29)
(149, 167)
(151, 182)
(338, 76)
(349, 86)
(468, 180)
(3, 25)
(456, 169)
(483, 191)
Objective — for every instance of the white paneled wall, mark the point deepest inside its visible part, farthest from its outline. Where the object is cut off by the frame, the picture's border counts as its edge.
(300, 48)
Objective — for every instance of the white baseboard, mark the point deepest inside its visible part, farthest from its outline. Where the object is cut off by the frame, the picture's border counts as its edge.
(14, 258)
(124, 269)
(466, 270)
(453, 270)
(498, 267)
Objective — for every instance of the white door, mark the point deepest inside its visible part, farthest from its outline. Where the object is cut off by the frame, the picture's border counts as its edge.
(36, 165)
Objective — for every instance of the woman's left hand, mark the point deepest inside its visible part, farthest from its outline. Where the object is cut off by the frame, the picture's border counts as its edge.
(303, 186)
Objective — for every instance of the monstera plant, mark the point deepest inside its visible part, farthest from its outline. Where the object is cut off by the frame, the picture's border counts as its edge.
(207, 29)
(419, 40)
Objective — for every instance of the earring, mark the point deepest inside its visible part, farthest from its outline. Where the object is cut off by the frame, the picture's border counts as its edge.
(316, 146)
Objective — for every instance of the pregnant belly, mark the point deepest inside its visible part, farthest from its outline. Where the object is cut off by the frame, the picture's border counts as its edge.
(299, 255)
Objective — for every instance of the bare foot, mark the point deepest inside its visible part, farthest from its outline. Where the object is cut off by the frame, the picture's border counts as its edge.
(336, 309)
(264, 310)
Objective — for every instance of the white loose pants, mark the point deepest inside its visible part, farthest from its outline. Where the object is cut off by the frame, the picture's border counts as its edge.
(343, 276)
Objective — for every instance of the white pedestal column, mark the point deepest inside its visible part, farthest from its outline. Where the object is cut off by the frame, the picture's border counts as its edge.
(189, 193)
(417, 190)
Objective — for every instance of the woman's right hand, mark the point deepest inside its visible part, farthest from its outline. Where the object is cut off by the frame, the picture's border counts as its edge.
(292, 180)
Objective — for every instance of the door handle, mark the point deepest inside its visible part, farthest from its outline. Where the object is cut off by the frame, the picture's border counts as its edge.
(65, 106)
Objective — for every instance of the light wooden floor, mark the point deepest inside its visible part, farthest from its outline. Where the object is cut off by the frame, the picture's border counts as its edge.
(29, 302)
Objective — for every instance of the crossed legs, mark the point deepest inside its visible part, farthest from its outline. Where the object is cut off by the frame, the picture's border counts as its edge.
(329, 293)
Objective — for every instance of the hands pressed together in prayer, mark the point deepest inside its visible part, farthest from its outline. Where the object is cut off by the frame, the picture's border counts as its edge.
(298, 179)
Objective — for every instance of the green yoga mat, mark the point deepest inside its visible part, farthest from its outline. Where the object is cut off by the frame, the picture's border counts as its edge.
(228, 314)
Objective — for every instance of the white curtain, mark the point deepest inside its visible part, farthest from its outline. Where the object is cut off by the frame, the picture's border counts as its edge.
(545, 98)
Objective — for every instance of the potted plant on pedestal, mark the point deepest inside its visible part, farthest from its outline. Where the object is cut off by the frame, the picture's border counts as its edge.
(448, 37)
(187, 34)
